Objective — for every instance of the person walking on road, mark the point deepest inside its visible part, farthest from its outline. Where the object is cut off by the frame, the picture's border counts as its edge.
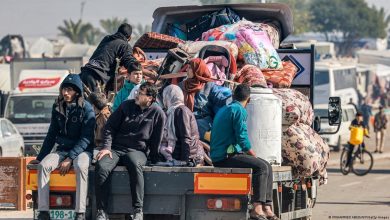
(102, 65)
(230, 147)
(132, 133)
(72, 130)
(380, 122)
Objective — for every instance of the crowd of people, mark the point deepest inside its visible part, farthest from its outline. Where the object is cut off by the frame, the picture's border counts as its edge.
(147, 124)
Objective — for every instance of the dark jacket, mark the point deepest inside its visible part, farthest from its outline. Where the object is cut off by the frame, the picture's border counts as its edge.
(130, 127)
(103, 60)
(188, 145)
(71, 127)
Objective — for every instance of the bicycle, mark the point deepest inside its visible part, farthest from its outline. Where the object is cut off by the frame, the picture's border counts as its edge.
(361, 162)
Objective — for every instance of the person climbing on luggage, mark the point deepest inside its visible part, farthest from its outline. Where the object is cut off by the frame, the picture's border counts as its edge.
(359, 123)
(132, 134)
(380, 122)
(102, 65)
(133, 78)
(230, 147)
(182, 136)
(71, 129)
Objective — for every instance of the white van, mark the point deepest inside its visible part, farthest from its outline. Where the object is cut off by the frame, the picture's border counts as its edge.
(336, 141)
(333, 78)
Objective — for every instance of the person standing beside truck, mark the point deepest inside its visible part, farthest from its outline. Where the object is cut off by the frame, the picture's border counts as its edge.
(72, 130)
(230, 147)
(102, 65)
(380, 122)
(132, 133)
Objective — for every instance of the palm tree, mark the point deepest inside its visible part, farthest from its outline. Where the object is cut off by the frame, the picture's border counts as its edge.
(94, 36)
(75, 31)
(138, 31)
(110, 25)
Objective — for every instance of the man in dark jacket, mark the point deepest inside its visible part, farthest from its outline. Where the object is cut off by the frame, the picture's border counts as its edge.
(102, 64)
(132, 133)
(71, 130)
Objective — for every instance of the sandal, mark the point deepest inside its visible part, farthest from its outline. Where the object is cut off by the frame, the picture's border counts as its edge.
(258, 217)
(274, 217)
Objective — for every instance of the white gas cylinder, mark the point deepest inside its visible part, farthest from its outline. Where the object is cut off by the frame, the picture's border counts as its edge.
(265, 125)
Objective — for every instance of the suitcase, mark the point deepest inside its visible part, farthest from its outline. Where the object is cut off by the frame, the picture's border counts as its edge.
(153, 40)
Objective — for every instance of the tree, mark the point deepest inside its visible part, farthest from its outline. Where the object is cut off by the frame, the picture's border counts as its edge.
(75, 31)
(354, 19)
(110, 26)
(94, 36)
(138, 31)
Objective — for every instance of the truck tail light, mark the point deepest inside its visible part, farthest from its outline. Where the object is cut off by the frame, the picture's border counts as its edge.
(224, 204)
(60, 200)
(28, 196)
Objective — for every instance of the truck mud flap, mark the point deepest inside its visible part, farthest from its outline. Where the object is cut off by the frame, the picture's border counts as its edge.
(296, 214)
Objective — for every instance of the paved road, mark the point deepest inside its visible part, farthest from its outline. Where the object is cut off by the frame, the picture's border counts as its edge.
(346, 197)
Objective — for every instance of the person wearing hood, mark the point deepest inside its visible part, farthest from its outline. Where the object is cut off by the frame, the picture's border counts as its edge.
(72, 132)
(182, 136)
(133, 79)
(102, 65)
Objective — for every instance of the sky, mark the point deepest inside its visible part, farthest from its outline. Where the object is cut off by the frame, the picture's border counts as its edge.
(40, 18)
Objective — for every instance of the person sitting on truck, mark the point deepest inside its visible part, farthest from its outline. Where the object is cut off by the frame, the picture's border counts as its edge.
(357, 122)
(182, 136)
(133, 78)
(102, 113)
(230, 147)
(198, 76)
(132, 133)
(72, 130)
(102, 65)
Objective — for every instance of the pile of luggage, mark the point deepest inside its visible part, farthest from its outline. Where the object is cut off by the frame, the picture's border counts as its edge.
(240, 51)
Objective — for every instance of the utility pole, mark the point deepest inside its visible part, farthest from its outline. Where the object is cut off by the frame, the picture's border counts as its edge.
(82, 9)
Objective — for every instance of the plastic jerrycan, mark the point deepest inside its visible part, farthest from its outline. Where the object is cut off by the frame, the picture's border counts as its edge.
(265, 125)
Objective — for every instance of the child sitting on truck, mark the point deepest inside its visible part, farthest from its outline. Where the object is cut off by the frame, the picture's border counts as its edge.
(133, 78)
(230, 147)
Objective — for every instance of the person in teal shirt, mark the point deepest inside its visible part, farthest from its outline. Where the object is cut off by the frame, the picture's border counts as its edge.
(230, 147)
(133, 79)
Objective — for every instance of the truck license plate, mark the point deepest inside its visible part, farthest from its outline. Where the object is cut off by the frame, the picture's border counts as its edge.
(58, 214)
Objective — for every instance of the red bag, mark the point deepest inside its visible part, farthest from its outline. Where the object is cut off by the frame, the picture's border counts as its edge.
(153, 40)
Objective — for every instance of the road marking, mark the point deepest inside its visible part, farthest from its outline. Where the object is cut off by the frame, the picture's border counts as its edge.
(381, 177)
(350, 184)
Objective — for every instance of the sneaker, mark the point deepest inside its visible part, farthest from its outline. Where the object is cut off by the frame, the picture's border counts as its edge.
(138, 215)
(80, 216)
(101, 215)
(43, 215)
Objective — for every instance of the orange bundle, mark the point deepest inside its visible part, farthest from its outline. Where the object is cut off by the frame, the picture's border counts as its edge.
(281, 78)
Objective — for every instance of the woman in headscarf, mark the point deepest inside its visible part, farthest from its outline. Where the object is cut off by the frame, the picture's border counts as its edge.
(198, 76)
(181, 129)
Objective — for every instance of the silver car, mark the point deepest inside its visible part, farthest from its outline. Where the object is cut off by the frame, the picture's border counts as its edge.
(11, 142)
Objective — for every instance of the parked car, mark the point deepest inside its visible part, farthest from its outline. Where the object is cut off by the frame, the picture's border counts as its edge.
(341, 138)
(11, 142)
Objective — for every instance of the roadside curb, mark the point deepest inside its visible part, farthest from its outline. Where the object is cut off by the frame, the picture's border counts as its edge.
(376, 156)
